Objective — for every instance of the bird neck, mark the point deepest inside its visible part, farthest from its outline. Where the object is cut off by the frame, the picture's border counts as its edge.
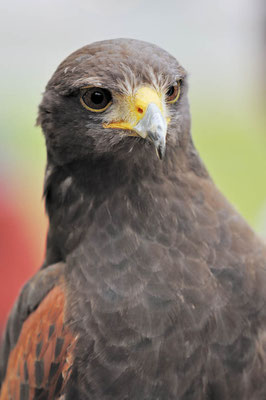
(75, 191)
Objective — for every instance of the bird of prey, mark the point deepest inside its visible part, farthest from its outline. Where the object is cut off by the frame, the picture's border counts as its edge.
(153, 286)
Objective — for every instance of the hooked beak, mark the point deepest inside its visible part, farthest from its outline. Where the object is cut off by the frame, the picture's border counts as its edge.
(143, 115)
(153, 126)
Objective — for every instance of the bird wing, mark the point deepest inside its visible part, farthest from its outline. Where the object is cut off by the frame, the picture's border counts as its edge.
(36, 353)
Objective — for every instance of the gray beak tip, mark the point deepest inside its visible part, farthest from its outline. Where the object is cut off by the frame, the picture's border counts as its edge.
(160, 151)
(159, 142)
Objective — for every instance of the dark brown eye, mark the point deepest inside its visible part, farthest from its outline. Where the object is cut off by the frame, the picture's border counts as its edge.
(173, 93)
(95, 99)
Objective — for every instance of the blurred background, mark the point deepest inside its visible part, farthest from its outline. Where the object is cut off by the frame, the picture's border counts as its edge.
(221, 44)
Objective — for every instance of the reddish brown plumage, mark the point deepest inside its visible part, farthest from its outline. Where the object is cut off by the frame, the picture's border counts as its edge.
(41, 360)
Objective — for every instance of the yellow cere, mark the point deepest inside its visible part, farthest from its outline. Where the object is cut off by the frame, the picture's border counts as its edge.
(136, 107)
(143, 97)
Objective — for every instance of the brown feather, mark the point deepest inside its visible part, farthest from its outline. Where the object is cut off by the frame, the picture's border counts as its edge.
(44, 358)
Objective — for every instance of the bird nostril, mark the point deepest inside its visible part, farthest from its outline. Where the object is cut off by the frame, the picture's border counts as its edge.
(140, 110)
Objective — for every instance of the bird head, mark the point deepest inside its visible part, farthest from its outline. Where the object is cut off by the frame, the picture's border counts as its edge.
(122, 97)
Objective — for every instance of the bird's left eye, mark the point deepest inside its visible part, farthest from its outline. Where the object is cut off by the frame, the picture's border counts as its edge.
(173, 93)
(95, 99)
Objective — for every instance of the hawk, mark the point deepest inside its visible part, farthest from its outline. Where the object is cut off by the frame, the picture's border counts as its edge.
(153, 286)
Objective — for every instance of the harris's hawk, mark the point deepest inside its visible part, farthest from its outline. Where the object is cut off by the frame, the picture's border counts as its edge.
(153, 286)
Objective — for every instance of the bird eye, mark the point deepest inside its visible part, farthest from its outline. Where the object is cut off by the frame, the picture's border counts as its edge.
(173, 93)
(95, 99)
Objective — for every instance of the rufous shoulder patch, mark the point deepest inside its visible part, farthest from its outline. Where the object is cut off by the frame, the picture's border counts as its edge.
(40, 363)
